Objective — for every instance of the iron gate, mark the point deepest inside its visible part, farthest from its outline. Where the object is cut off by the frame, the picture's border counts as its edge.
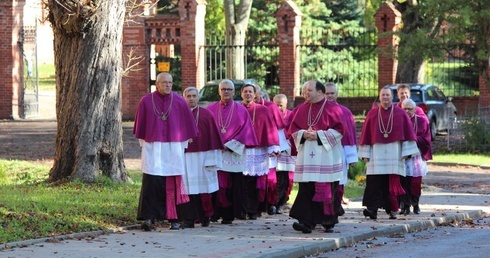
(30, 78)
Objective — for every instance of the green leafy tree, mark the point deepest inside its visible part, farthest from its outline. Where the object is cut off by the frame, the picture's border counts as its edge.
(327, 53)
(469, 28)
(215, 18)
(344, 10)
(433, 29)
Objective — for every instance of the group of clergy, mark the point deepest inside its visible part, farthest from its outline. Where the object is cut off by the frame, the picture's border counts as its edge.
(235, 160)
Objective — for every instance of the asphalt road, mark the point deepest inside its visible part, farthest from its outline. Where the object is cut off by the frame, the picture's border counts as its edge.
(456, 240)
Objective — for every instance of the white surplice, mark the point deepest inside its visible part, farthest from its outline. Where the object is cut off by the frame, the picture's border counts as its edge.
(163, 158)
(349, 155)
(202, 171)
(387, 158)
(319, 163)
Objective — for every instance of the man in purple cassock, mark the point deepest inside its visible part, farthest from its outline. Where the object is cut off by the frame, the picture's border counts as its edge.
(317, 128)
(203, 158)
(416, 165)
(349, 143)
(237, 133)
(285, 162)
(163, 124)
(387, 139)
(403, 93)
(257, 168)
(271, 199)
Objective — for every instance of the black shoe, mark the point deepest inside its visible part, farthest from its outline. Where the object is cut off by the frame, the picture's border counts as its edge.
(146, 225)
(393, 215)
(226, 222)
(328, 228)
(174, 226)
(205, 223)
(188, 224)
(416, 209)
(341, 211)
(301, 227)
(405, 210)
(271, 210)
(280, 210)
(252, 216)
(243, 216)
(369, 213)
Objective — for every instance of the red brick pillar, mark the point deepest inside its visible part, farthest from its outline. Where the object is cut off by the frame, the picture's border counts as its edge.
(387, 20)
(136, 82)
(484, 88)
(11, 61)
(192, 23)
(288, 29)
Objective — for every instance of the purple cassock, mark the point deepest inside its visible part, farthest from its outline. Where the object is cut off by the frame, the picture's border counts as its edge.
(179, 124)
(264, 126)
(233, 123)
(402, 129)
(423, 136)
(275, 112)
(331, 117)
(286, 116)
(208, 135)
(349, 136)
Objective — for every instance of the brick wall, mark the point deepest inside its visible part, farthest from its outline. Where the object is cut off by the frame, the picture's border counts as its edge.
(135, 83)
(11, 13)
(484, 89)
(387, 19)
(288, 19)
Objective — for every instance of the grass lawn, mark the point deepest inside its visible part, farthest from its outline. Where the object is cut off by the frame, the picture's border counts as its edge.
(47, 77)
(32, 208)
(471, 159)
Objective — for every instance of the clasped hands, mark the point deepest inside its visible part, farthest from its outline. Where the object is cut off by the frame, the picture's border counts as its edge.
(310, 135)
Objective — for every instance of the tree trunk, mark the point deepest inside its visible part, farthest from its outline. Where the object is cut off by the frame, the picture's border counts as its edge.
(411, 68)
(235, 52)
(88, 62)
(236, 27)
(411, 72)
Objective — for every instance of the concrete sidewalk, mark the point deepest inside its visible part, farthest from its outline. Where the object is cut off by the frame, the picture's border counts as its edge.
(269, 236)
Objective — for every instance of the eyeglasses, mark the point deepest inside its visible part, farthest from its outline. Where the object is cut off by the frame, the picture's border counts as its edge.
(165, 82)
(227, 89)
(407, 108)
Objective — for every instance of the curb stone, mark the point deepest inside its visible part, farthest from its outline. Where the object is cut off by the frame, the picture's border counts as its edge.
(451, 164)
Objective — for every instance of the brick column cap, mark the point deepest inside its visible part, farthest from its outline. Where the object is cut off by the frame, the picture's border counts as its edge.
(288, 7)
(387, 9)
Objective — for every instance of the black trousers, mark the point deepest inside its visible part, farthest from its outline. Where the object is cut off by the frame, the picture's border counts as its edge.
(311, 213)
(282, 187)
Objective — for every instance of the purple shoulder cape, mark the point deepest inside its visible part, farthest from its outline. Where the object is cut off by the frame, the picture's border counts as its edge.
(238, 127)
(208, 137)
(402, 127)
(178, 127)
